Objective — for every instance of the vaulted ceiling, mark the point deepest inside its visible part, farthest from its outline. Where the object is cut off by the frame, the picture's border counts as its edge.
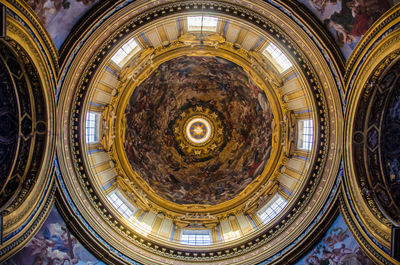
(211, 132)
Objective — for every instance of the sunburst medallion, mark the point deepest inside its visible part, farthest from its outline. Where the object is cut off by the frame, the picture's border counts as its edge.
(199, 132)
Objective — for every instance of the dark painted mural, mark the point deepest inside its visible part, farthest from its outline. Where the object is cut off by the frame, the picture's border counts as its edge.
(348, 20)
(9, 126)
(337, 247)
(224, 92)
(377, 142)
(54, 245)
(22, 125)
(391, 136)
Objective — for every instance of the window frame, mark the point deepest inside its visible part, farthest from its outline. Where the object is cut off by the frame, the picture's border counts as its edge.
(305, 134)
(121, 204)
(202, 26)
(199, 237)
(125, 52)
(92, 123)
(280, 59)
(272, 208)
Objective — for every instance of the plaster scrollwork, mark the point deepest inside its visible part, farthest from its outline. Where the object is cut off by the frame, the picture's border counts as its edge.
(288, 126)
(135, 66)
(139, 197)
(107, 127)
(261, 196)
(269, 72)
(213, 40)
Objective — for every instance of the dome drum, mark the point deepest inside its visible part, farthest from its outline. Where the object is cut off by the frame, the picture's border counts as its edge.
(214, 132)
(277, 108)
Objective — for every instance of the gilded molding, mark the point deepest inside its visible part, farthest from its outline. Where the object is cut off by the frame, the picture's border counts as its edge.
(375, 55)
(24, 11)
(322, 162)
(31, 203)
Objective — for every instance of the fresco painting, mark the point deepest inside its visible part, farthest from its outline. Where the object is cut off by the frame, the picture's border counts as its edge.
(54, 245)
(212, 83)
(338, 247)
(348, 20)
(59, 16)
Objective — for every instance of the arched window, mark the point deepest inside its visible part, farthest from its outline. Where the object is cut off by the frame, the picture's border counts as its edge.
(199, 23)
(125, 51)
(277, 55)
(120, 203)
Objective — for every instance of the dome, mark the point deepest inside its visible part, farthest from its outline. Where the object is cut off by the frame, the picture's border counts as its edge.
(211, 130)
(199, 132)
(198, 145)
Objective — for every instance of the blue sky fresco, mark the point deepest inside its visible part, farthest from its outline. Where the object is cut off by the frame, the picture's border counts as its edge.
(59, 16)
(338, 246)
(54, 244)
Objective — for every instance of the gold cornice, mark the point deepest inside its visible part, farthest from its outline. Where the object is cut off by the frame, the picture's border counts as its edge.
(16, 32)
(362, 238)
(370, 69)
(258, 246)
(373, 56)
(30, 209)
(149, 61)
(83, 27)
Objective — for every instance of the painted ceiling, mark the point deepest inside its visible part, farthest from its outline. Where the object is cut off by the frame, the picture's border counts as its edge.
(347, 20)
(217, 91)
(188, 99)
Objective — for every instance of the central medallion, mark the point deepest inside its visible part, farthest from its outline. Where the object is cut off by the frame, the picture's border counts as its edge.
(199, 132)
